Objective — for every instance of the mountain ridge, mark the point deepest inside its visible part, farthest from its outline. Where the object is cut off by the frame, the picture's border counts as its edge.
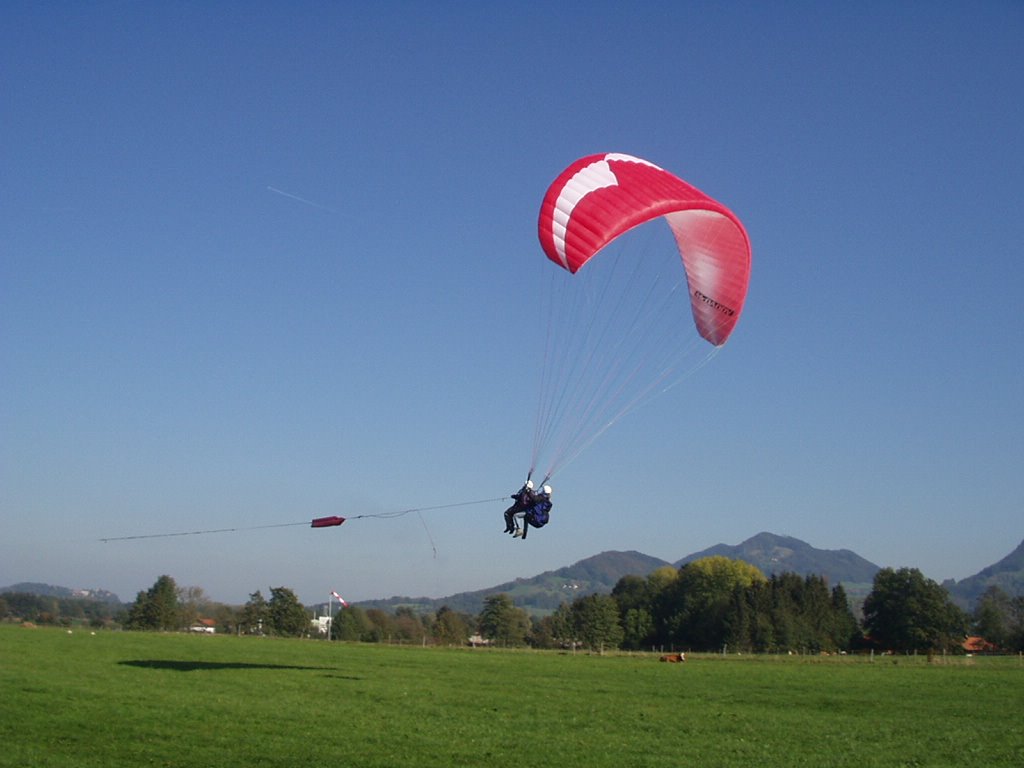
(769, 552)
(598, 574)
(1007, 574)
(773, 553)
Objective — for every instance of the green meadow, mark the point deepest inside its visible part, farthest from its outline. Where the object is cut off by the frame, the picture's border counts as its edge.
(139, 699)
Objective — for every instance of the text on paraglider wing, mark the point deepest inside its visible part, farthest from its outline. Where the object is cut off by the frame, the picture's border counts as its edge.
(714, 304)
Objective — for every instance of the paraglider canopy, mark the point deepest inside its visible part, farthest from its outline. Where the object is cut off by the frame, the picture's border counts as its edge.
(599, 197)
(619, 328)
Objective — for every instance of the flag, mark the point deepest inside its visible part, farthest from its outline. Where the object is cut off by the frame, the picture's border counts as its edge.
(340, 599)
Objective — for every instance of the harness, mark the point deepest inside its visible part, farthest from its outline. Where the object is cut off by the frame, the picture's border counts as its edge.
(537, 515)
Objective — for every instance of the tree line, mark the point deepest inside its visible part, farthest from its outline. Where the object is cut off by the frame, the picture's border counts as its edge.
(64, 611)
(712, 604)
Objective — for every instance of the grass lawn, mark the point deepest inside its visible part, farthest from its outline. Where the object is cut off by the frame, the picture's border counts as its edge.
(139, 699)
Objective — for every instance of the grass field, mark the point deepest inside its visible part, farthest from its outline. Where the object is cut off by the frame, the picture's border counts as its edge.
(137, 699)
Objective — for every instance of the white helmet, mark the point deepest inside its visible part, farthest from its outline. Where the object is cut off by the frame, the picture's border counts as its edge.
(547, 489)
(529, 484)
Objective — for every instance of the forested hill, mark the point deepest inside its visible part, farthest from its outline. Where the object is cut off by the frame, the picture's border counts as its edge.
(64, 593)
(771, 553)
(1007, 574)
(543, 593)
(598, 574)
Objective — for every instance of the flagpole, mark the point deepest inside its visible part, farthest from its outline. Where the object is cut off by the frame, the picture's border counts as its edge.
(341, 603)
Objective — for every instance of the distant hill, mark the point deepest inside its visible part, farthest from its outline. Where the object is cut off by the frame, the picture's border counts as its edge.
(772, 553)
(543, 593)
(49, 590)
(598, 575)
(1007, 574)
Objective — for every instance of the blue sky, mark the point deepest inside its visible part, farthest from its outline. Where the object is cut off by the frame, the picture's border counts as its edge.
(261, 263)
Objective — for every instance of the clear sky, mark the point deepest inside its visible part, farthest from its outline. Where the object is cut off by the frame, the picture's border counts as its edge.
(263, 262)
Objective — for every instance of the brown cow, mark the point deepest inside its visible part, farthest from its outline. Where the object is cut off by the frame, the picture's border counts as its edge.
(673, 658)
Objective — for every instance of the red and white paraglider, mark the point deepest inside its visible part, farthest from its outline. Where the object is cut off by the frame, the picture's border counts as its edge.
(627, 317)
(617, 339)
(599, 197)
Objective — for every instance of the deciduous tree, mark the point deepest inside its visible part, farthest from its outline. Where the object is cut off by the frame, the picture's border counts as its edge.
(255, 618)
(157, 608)
(596, 619)
(351, 623)
(192, 603)
(693, 609)
(450, 627)
(907, 612)
(286, 614)
(992, 616)
(503, 623)
(634, 595)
